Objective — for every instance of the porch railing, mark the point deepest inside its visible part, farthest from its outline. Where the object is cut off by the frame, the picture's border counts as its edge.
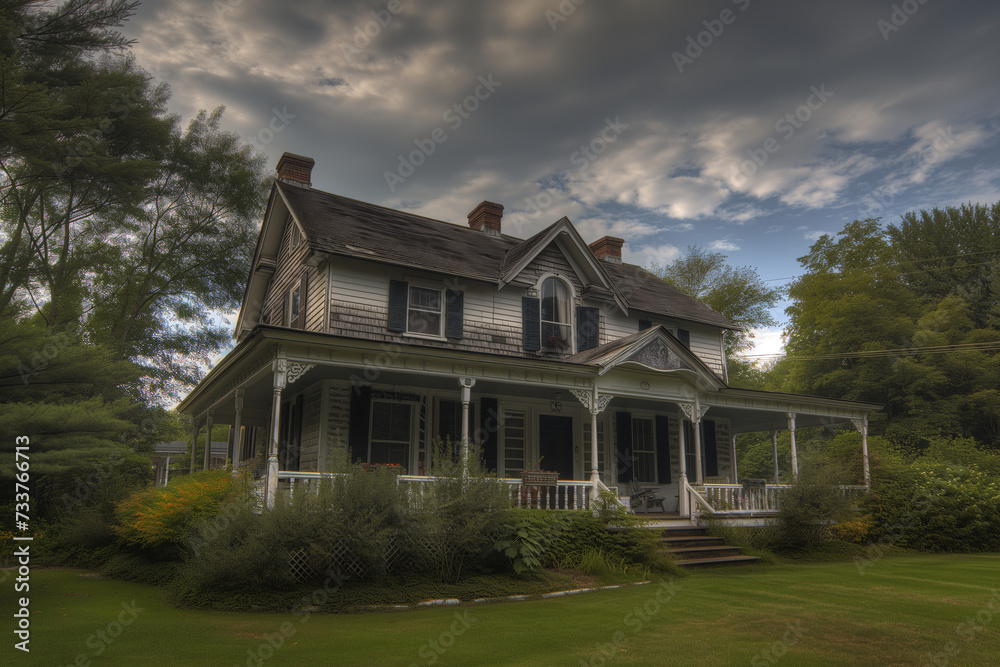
(565, 495)
(723, 499)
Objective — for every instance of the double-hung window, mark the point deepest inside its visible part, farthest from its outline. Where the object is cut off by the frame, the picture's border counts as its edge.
(424, 311)
(557, 330)
(391, 424)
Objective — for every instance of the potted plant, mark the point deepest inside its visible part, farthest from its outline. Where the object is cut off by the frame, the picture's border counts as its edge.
(539, 477)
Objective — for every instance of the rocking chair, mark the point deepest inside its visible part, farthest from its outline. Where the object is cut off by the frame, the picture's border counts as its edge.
(644, 498)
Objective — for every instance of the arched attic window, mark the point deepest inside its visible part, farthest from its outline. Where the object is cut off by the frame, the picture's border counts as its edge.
(557, 326)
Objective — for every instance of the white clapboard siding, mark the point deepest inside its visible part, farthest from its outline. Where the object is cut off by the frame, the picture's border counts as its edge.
(316, 301)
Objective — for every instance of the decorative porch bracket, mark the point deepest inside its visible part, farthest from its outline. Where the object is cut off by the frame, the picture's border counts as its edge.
(862, 426)
(595, 403)
(694, 413)
(296, 370)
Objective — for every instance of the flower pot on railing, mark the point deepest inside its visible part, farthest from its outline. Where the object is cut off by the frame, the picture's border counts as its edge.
(539, 477)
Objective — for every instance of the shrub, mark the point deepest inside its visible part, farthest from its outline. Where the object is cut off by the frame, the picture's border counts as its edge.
(161, 515)
(809, 506)
(460, 514)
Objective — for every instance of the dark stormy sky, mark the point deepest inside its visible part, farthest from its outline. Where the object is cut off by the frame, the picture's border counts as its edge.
(743, 126)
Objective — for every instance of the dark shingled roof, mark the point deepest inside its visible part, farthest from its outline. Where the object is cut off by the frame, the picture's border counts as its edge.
(342, 226)
(645, 291)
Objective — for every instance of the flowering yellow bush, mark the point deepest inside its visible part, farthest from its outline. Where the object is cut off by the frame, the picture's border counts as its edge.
(159, 515)
(856, 530)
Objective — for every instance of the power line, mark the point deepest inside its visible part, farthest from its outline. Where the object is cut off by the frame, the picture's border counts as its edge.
(908, 261)
(985, 346)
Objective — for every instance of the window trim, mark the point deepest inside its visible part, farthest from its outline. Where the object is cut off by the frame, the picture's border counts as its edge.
(571, 312)
(442, 311)
(651, 421)
(411, 445)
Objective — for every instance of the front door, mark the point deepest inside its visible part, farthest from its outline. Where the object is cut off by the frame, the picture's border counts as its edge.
(555, 444)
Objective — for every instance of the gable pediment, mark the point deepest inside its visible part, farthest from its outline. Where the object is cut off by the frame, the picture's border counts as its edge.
(521, 264)
(656, 354)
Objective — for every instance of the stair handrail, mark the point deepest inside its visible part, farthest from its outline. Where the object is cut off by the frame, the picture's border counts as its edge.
(700, 499)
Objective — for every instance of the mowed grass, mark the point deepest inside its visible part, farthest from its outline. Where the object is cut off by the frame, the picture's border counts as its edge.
(909, 610)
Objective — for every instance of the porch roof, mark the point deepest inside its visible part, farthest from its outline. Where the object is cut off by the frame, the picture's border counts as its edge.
(249, 365)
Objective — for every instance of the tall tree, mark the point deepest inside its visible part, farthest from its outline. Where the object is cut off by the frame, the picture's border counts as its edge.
(904, 316)
(739, 293)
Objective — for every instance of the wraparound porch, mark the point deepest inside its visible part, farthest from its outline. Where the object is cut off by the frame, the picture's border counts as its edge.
(302, 406)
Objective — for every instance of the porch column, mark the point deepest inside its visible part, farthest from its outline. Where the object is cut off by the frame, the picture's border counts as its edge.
(234, 456)
(732, 455)
(795, 456)
(466, 383)
(862, 426)
(194, 445)
(208, 441)
(774, 443)
(166, 471)
(682, 496)
(595, 403)
(699, 473)
(271, 480)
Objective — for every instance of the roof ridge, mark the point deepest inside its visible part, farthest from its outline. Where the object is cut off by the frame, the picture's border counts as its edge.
(397, 211)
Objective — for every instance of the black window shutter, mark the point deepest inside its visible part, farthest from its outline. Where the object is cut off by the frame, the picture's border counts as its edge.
(531, 324)
(684, 336)
(711, 452)
(398, 298)
(623, 446)
(588, 328)
(454, 313)
(645, 324)
(361, 407)
(489, 424)
(662, 449)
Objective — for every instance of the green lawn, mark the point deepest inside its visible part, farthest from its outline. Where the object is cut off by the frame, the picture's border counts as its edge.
(901, 611)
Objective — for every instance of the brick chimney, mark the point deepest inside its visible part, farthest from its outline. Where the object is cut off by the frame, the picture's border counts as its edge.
(295, 169)
(486, 217)
(608, 249)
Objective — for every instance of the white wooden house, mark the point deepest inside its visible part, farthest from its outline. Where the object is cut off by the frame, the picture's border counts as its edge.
(373, 331)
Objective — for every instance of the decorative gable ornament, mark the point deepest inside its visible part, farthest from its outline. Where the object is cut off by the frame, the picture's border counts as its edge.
(657, 355)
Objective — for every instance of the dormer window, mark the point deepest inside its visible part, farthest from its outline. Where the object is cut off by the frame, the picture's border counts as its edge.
(557, 328)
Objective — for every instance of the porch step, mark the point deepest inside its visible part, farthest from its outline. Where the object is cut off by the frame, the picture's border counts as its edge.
(691, 541)
(692, 546)
(684, 554)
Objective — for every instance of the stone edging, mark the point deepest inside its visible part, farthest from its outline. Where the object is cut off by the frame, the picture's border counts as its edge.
(446, 602)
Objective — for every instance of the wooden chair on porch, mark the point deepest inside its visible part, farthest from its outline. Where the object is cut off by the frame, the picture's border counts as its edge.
(644, 498)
